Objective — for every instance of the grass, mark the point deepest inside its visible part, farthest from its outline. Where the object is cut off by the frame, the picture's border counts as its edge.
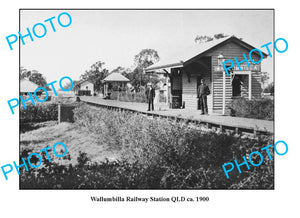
(134, 151)
(75, 140)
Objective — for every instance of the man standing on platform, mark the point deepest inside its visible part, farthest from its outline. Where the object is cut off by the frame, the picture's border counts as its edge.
(150, 94)
(202, 93)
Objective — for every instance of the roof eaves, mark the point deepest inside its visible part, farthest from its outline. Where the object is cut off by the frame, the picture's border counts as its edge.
(120, 78)
(150, 69)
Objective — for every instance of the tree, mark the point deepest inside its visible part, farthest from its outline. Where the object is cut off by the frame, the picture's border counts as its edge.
(67, 85)
(205, 38)
(38, 78)
(142, 60)
(122, 70)
(269, 89)
(202, 39)
(33, 76)
(220, 36)
(264, 77)
(96, 74)
(24, 73)
(145, 58)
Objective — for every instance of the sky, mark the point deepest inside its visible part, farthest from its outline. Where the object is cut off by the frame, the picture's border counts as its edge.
(116, 36)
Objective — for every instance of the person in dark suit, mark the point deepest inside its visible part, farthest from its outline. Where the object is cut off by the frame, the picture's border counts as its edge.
(150, 94)
(202, 93)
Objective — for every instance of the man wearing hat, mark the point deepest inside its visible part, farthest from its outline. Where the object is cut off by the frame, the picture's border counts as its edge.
(150, 94)
(202, 93)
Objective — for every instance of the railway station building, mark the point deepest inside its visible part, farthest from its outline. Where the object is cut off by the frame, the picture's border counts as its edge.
(185, 69)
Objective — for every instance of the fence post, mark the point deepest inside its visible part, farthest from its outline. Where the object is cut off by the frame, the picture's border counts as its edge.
(59, 112)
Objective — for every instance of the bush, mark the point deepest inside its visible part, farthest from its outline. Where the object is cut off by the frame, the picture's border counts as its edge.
(107, 175)
(174, 155)
(269, 89)
(41, 112)
(155, 154)
(257, 109)
(124, 174)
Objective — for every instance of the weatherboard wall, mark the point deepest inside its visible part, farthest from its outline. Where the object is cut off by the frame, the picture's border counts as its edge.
(229, 51)
(189, 89)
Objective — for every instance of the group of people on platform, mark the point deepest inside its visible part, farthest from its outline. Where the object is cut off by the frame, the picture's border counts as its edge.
(202, 93)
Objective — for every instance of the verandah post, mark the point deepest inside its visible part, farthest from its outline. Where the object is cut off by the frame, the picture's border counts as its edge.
(250, 85)
(224, 92)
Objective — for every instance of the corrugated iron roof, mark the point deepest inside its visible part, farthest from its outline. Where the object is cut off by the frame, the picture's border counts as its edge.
(178, 59)
(115, 77)
(27, 86)
(85, 82)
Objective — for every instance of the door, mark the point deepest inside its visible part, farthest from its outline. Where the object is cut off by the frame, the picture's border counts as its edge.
(198, 84)
(176, 88)
(240, 86)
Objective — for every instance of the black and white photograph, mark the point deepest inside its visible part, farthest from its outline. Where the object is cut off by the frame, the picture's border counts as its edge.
(142, 100)
(149, 109)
